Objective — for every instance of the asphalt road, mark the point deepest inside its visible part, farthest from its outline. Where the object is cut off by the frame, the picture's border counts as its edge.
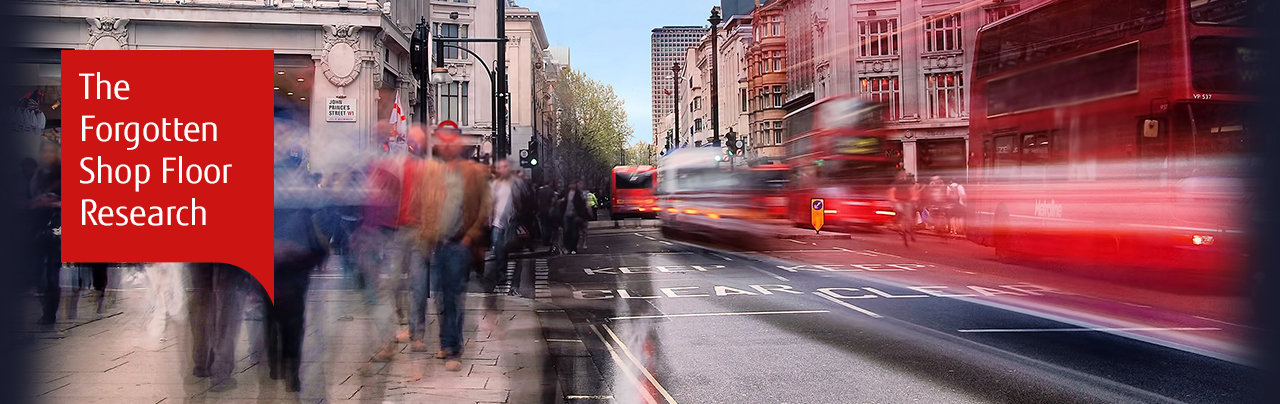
(640, 318)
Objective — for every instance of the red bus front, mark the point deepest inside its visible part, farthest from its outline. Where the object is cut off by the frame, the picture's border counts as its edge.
(836, 152)
(633, 192)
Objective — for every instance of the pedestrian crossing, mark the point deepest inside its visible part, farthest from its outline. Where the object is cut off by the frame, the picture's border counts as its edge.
(541, 283)
(505, 287)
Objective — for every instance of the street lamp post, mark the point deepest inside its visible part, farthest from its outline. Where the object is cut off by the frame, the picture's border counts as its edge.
(715, 79)
(675, 74)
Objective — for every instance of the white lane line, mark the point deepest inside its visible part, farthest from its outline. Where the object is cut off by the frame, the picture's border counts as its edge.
(665, 242)
(859, 309)
(651, 238)
(843, 249)
(1137, 305)
(1227, 323)
(732, 313)
(638, 234)
(588, 397)
(796, 241)
(622, 365)
(1095, 329)
(563, 340)
(648, 375)
(775, 276)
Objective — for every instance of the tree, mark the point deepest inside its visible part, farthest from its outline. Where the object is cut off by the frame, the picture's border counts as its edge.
(640, 154)
(593, 129)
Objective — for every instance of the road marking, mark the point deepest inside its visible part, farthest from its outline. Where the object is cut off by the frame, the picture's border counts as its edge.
(732, 313)
(540, 275)
(563, 340)
(859, 309)
(665, 242)
(622, 365)
(795, 241)
(1227, 323)
(775, 276)
(1092, 329)
(648, 375)
(588, 397)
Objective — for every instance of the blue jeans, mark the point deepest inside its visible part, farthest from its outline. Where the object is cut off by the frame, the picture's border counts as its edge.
(451, 265)
(502, 237)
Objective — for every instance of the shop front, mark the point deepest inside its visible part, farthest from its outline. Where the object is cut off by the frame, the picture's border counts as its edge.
(337, 71)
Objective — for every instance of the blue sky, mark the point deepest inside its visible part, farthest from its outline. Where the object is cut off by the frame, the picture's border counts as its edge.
(609, 41)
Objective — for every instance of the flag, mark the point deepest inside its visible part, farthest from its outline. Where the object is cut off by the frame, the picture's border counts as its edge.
(399, 124)
(399, 127)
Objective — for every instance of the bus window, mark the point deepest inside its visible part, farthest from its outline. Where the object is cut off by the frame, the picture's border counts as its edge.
(639, 180)
(1035, 155)
(1005, 161)
(1208, 140)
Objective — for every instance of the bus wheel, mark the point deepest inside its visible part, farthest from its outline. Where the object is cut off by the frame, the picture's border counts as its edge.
(1002, 234)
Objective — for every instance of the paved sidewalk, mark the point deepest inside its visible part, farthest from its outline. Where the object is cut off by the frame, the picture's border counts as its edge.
(113, 359)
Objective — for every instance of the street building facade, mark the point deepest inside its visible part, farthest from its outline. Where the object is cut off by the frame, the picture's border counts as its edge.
(667, 47)
(348, 53)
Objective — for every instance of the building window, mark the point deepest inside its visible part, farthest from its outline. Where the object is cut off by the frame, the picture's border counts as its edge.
(777, 61)
(994, 14)
(776, 26)
(742, 99)
(453, 102)
(777, 132)
(452, 31)
(946, 95)
(884, 90)
(942, 33)
(878, 37)
(697, 125)
(777, 96)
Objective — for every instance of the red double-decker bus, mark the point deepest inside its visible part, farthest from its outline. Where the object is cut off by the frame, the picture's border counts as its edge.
(1114, 132)
(835, 149)
(633, 188)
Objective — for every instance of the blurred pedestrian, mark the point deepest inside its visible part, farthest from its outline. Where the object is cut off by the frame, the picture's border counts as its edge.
(589, 215)
(216, 310)
(505, 192)
(455, 203)
(957, 202)
(546, 199)
(575, 213)
(45, 206)
(935, 202)
(903, 195)
(301, 247)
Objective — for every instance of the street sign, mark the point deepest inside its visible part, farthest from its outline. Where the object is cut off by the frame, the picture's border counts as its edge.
(524, 153)
(340, 110)
(818, 213)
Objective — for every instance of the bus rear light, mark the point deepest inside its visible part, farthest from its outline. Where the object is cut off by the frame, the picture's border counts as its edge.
(1202, 240)
(713, 216)
(886, 212)
(672, 210)
(690, 211)
(830, 211)
(642, 209)
(857, 203)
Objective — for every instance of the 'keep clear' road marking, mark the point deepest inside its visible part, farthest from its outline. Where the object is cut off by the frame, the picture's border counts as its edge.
(859, 309)
(842, 293)
(645, 269)
(1095, 329)
(730, 313)
(851, 267)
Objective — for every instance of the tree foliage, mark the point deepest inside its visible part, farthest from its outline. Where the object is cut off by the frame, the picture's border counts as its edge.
(592, 133)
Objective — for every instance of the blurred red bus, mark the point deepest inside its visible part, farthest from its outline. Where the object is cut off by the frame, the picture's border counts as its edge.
(1114, 132)
(835, 150)
(766, 186)
(632, 188)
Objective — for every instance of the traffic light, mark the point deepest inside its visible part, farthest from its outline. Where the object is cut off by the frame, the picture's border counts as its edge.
(734, 146)
(529, 157)
(418, 51)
